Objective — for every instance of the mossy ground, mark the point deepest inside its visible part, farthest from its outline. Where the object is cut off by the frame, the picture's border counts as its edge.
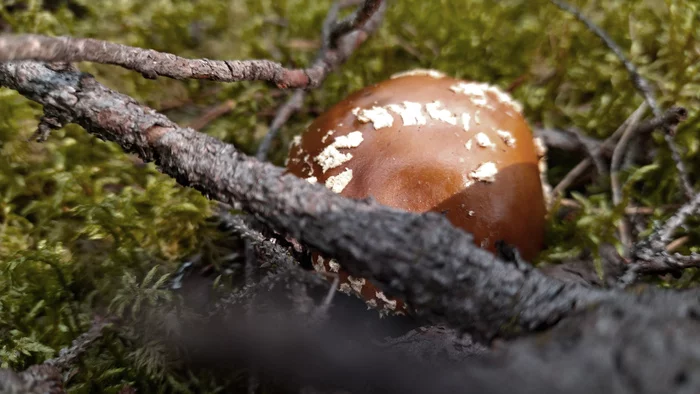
(85, 228)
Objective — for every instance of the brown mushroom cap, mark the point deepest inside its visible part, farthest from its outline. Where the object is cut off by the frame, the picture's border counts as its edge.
(423, 141)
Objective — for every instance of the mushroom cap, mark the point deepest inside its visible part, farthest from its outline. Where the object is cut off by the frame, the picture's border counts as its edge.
(423, 141)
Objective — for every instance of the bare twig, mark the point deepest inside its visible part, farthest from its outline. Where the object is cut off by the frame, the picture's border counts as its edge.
(581, 167)
(677, 243)
(618, 155)
(292, 105)
(651, 254)
(213, 113)
(353, 22)
(153, 64)
(572, 140)
(335, 38)
(658, 264)
(560, 139)
(68, 357)
(662, 236)
(47, 377)
(631, 211)
(641, 84)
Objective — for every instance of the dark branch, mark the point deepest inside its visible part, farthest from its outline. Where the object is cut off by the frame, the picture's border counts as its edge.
(68, 357)
(421, 258)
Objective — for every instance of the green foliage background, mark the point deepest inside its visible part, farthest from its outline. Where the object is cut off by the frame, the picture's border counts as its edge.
(86, 229)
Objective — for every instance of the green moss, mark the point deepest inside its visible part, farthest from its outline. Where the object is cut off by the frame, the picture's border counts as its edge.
(82, 225)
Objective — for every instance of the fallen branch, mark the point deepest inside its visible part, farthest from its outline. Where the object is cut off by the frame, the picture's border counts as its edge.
(421, 258)
(47, 377)
(152, 64)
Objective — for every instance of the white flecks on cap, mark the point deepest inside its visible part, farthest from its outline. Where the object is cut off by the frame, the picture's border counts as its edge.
(483, 141)
(356, 284)
(466, 120)
(318, 264)
(338, 182)
(391, 304)
(345, 288)
(309, 164)
(486, 172)
(331, 157)
(470, 213)
(352, 140)
(311, 179)
(507, 137)
(468, 145)
(477, 118)
(371, 304)
(419, 71)
(540, 147)
(542, 165)
(477, 91)
(296, 141)
(410, 113)
(328, 134)
(379, 116)
(436, 111)
(333, 265)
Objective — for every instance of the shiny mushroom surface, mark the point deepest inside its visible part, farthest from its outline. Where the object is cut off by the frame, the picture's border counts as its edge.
(423, 141)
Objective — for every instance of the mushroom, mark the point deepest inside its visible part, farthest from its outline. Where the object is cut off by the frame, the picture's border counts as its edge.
(423, 141)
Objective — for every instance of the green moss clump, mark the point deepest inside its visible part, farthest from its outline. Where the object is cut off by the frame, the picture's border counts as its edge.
(85, 227)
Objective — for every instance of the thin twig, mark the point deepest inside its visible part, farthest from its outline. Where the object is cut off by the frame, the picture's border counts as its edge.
(335, 38)
(152, 64)
(677, 243)
(662, 236)
(581, 167)
(323, 308)
(659, 264)
(212, 113)
(651, 256)
(292, 105)
(618, 155)
(592, 149)
(641, 84)
(68, 357)
(354, 22)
